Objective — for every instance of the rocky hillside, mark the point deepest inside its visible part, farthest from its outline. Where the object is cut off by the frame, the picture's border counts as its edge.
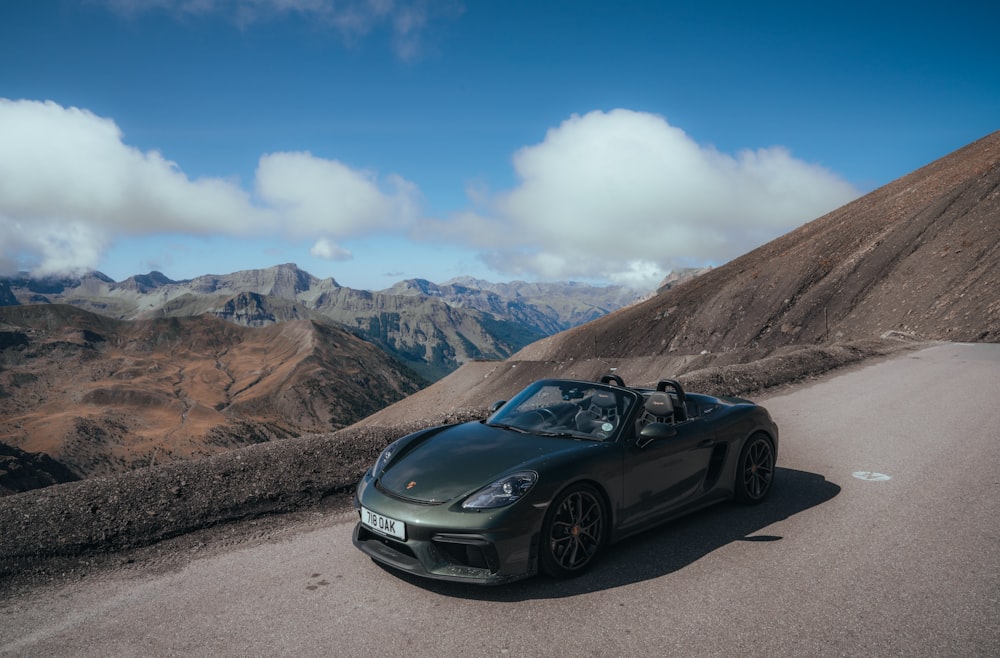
(100, 396)
(546, 307)
(919, 256)
(917, 259)
(22, 471)
(432, 329)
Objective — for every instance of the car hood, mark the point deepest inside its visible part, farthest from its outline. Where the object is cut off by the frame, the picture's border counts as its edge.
(457, 460)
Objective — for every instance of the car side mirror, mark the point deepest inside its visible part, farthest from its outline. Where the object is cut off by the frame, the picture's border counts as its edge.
(496, 405)
(655, 432)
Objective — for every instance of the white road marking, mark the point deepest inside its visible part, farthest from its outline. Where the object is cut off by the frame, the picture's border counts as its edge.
(871, 476)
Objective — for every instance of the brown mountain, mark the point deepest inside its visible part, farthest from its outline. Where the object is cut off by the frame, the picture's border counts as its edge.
(918, 258)
(100, 395)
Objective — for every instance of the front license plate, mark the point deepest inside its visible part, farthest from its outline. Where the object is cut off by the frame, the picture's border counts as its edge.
(383, 524)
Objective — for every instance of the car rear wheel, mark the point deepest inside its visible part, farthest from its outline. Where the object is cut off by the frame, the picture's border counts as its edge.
(755, 471)
(574, 532)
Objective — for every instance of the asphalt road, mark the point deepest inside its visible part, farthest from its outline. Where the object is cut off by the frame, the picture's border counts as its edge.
(882, 537)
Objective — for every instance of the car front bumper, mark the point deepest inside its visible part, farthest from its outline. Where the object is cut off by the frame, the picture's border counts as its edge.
(485, 548)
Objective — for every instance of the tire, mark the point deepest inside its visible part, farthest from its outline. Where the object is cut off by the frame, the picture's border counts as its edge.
(574, 532)
(755, 470)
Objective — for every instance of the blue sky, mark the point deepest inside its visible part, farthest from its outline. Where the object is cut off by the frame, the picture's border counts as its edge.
(376, 140)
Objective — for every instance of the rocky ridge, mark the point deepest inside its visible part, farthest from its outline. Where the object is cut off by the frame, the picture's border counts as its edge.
(431, 328)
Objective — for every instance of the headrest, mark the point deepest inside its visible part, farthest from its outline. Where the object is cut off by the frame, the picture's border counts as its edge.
(660, 403)
(605, 399)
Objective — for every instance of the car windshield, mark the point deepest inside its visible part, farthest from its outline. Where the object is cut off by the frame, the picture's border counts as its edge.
(566, 408)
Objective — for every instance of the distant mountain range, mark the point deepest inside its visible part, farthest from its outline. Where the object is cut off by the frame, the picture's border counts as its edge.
(431, 328)
(99, 376)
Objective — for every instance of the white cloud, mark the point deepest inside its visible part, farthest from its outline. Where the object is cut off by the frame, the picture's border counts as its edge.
(68, 164)
(329, 250)
(320, 196)
(49, 247)
(625, 196)
(621, 196)
(69, 186)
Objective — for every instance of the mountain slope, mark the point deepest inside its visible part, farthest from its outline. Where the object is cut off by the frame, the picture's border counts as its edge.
(547, 307)
(23, 471)
(918, 258)
(101, 395)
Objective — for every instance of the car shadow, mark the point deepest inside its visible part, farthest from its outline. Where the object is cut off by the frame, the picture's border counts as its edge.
(662, 550)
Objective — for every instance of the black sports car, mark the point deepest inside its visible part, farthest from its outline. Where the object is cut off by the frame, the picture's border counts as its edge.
(555, 474)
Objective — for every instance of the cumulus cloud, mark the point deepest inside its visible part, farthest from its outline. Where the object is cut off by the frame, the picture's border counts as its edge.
(47, 247)
(351, 19)
(319, 195)
(69, 185)
(620, 196)
(329, 250)
(625, 196)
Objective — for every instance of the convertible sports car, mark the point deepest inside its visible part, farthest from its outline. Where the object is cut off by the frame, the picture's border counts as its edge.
(555, 475)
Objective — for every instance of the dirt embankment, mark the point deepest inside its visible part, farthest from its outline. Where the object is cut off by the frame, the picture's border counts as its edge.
(58, 528)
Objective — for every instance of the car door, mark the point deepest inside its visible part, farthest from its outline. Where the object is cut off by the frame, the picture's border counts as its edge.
(666, 473)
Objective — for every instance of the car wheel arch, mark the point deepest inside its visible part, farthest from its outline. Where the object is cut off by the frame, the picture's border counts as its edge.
(595, 484)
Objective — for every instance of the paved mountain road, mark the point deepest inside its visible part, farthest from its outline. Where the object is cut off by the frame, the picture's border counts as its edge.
(882, 537)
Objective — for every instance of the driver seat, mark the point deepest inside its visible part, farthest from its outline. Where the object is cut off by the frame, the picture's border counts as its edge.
(603, 409)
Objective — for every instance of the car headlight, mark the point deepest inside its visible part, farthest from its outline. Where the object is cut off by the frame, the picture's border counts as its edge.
(384, 458)
(504, 491)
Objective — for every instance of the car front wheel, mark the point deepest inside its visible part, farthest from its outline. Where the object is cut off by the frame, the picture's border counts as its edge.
(574, 532)
(755, 471)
